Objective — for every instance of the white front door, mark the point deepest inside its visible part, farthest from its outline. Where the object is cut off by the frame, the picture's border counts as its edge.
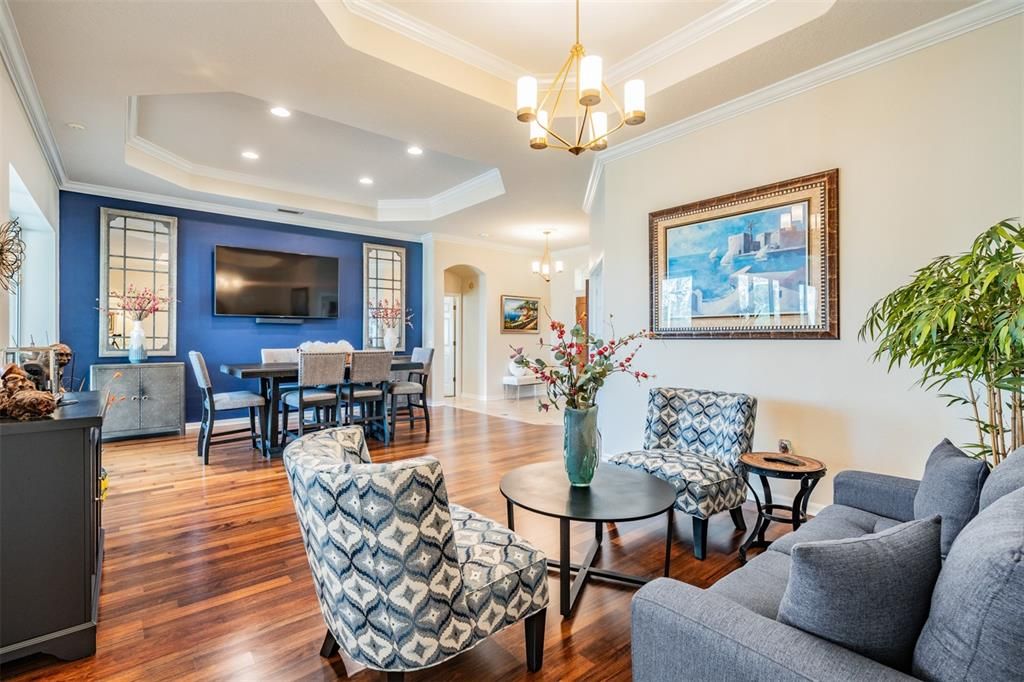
(451, 334)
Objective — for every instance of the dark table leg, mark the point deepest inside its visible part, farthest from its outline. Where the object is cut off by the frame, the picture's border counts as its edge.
(668, 540)
(756, 537)
(511, 511)
(564, 582)
(274, 416)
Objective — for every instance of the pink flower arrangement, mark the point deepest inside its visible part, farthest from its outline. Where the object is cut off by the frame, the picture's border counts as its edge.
(391, 315)
(582, 364)
(139, 305)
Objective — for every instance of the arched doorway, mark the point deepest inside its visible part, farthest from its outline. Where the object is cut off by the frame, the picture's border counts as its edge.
(463, 333)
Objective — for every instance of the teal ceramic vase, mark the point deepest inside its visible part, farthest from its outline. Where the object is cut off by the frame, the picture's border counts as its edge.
(582, 445)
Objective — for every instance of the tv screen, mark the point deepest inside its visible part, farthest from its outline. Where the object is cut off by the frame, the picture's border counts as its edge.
(257, 283)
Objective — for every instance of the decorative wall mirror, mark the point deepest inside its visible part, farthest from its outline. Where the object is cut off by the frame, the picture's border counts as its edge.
(137, 250)
(384, 281)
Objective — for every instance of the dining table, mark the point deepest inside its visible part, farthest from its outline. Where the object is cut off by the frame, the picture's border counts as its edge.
(271, 376)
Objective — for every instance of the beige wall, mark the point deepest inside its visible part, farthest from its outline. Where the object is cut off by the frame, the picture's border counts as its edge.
(19, 147)
(567, 285)
(499, 271)
(929, 149)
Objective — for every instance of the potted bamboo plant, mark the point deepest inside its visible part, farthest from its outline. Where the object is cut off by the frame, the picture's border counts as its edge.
(960, 320)
(582, 363)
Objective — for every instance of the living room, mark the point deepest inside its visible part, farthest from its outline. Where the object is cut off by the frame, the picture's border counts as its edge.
(326, 360)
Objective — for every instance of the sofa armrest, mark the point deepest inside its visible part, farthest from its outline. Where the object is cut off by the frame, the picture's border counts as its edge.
(889, 496)
(682, 632)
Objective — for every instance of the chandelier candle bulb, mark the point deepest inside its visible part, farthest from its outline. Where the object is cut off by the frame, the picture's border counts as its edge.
(598, 130)
(590, 80)
(559, 266)
(538, 134)
(535, 267)
(526, 99)
(635, 107)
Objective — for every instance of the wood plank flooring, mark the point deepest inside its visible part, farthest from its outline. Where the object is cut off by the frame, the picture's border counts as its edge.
(205, 576)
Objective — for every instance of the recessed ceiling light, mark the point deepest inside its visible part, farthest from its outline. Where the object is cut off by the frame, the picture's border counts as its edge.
(415, 151)
(365, 180)
(484, 234)
(76, 126)
(249, 154)
(280, 112)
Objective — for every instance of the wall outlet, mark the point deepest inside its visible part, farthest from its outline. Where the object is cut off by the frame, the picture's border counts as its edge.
(785, 446)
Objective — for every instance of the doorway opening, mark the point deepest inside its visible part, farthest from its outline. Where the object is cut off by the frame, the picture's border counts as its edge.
(463, 334)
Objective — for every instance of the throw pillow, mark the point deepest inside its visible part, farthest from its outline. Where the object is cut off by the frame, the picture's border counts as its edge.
(950, 487)
(869, 594)
(1004, 479)
(975, 630)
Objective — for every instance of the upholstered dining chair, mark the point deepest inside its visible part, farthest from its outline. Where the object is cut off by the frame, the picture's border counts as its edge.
(320, 378)
(693, 439)
(229, 400)
(414, 390)
(405, 579)
(271, 355)
(367, 386)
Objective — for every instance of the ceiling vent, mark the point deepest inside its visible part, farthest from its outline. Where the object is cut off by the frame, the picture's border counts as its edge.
(290, 211)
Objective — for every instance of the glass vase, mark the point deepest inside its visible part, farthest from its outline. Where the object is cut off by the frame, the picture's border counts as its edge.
(582, 445)
(137, 343)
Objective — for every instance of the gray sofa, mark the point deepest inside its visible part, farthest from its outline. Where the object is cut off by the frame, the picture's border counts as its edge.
(730, 631)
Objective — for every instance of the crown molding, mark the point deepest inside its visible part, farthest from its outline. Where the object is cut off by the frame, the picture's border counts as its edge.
(703, 27)
(235, 211)
(13, 54)
(476, 190)
(392, 18)
(447, 238)
(932, 33)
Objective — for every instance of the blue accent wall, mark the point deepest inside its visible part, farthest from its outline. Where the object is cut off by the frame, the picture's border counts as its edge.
(220, 339)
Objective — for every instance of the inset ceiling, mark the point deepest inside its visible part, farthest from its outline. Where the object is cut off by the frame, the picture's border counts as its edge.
(168, 95)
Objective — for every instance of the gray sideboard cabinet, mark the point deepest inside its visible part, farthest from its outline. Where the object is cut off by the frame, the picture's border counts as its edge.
(148, 398)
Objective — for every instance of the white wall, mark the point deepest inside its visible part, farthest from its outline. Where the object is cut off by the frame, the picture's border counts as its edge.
(20, 149)
(501, 271)
(929, 150)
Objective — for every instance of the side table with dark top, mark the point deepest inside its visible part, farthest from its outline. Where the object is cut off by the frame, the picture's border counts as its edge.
(767, 465)
(615, 495)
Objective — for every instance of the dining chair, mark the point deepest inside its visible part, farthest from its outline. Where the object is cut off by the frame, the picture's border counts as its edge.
(414, 390)
(271, 355)
(229, 400)
(319, 387)
(406, 579)
(367, 386)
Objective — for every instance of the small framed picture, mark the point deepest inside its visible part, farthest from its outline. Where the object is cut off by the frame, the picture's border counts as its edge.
(520, 314)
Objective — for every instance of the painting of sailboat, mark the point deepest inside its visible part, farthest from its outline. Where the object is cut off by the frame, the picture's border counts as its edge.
(755, 263)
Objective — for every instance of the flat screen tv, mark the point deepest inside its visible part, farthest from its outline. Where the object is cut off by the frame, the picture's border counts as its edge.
(258, 283)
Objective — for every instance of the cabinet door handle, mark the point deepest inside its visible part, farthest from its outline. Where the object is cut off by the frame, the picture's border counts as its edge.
(145, 397)
(135, 397)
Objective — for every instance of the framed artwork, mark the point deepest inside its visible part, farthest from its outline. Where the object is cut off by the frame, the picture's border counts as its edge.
(762, 263)
(520, 315)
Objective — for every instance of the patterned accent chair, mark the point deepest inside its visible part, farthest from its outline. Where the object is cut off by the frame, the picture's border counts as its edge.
(694, 440)
(405, 579)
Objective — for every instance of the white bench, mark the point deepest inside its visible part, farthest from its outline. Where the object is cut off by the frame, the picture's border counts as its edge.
(518, 383)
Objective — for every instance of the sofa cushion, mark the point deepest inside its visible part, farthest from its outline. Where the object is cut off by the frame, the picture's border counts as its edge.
(868, 594)
(759, 585)
(704, 485)
(835, 522)
(975, 630)
(950, 487)
(1004, 479)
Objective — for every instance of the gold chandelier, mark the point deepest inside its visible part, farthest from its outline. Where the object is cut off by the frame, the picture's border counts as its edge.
(543, 267)
(589, 86)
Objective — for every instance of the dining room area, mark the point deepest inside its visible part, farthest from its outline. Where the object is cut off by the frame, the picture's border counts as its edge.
(315, 386)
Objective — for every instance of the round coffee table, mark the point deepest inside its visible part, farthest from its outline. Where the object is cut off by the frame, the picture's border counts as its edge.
(767, 465)
(615, 494)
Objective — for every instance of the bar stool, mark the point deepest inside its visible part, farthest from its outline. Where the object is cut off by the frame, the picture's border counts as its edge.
(316, 371)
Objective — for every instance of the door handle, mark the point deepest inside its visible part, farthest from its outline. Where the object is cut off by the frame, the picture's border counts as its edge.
(135, 397)
(145, 397)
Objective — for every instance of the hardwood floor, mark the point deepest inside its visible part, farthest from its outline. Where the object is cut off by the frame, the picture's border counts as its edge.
(205, 576)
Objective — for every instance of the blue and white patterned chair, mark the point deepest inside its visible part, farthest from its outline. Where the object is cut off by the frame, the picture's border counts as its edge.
(694, 440)
(405, 579)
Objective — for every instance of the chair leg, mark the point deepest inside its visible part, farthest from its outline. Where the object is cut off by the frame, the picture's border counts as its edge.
(207, 437)
(394, 414)
(330, 646)
(426, 413)
(737, 518)
(252, 426)
(395, 675)
(535, 640)
(700, 537)
(384, 421)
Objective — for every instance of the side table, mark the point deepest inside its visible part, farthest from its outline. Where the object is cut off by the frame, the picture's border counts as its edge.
(767, 465)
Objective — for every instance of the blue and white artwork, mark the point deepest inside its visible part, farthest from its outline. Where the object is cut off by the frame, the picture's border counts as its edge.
(752, 264)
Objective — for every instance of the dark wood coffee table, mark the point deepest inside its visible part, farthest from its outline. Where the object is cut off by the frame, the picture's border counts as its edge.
(767, 465)
(615, 494)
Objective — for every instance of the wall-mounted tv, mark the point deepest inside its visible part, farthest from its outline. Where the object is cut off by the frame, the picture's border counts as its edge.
(258, 283)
